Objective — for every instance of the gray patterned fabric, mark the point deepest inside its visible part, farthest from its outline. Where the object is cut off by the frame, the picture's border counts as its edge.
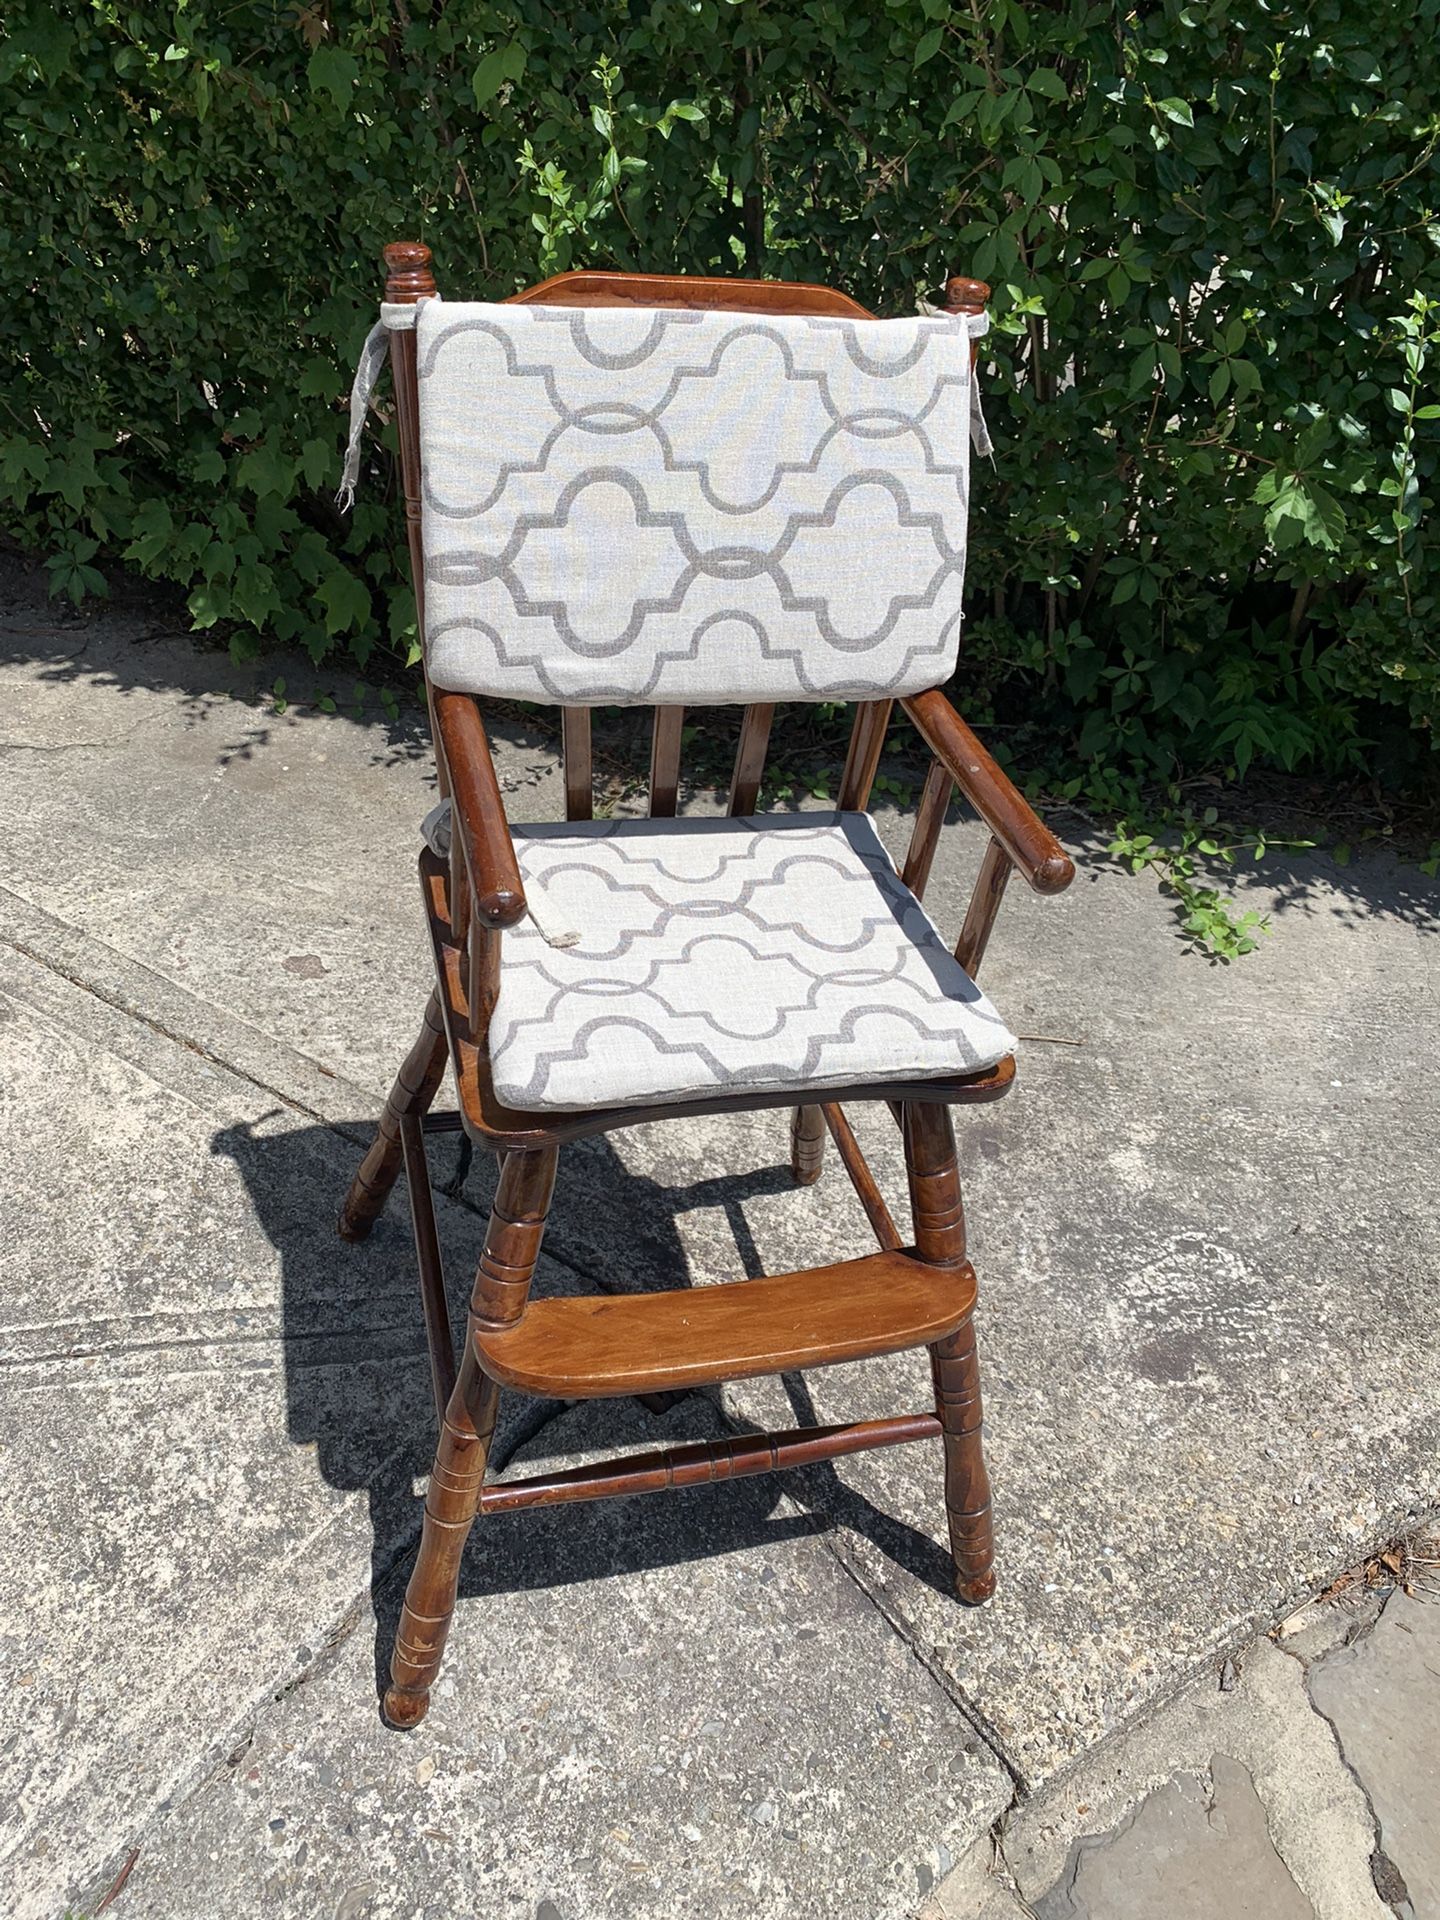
(658, 506)
(769, 953)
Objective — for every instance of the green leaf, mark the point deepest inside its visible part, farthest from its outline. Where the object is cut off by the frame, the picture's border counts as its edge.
(22, 460)
(928, 46)
(334, 71)
(265, 470)
(345, 599)
(1046, 82)
(498, 66)
(1177, 111)
(317, 463)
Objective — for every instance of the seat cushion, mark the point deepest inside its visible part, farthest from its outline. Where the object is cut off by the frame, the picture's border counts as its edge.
(718, 955)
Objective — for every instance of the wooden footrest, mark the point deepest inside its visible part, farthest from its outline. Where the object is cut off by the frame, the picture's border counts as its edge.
(604, 1345)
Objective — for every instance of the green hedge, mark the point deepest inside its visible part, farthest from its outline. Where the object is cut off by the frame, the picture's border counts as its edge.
(1212, 230)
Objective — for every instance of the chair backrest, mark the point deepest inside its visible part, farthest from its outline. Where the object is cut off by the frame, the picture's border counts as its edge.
(658, 490)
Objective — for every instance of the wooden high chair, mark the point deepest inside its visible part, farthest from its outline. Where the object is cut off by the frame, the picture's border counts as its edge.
(636, 489)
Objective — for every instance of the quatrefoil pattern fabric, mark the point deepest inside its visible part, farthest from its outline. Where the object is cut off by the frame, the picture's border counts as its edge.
(641, 507)
(759, 954)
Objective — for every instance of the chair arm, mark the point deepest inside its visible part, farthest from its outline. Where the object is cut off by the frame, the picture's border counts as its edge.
(1025, 838)
(478, 812)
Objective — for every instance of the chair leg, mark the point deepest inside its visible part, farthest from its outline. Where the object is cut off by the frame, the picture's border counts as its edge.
(502, 1283)
(807, 1145)
(956, 1368)
(451, 1502)
(939, 1217)
(416, 1085)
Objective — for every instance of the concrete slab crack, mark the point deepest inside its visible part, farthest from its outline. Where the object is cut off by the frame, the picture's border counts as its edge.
(979, 1723)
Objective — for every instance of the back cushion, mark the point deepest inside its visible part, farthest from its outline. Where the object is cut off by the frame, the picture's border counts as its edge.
(649, 506)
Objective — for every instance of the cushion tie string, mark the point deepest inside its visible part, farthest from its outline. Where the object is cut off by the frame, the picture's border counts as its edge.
(372, 358)
(977, 325)
(394, 318)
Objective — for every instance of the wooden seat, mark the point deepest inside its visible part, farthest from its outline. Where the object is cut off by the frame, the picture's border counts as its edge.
(919, 1289)
(601, 1345)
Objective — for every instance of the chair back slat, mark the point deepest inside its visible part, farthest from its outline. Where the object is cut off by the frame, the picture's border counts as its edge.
(665, 761)
(579, 775)
(750, 757)
(867, 740)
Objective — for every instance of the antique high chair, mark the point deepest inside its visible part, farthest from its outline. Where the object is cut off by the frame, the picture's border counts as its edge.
(653, 490)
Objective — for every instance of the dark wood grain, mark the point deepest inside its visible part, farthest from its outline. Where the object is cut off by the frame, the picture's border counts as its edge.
(989, 891)
(925, 835)
(939, 1221)
(408, 279)
(807, 1145)
(512, 1240)
(452, 1499)
(965, 296)
(706, 1462)
(603, 1345)
(438, 1336)
(750, 757)
(867, 741)
(861, 1178)
(669, 723)
(587, 288)
(416, 1085)
(579, 773)
(497, 894)
(1000, 804)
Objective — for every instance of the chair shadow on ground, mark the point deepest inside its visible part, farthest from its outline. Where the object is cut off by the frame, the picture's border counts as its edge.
(358, 1383)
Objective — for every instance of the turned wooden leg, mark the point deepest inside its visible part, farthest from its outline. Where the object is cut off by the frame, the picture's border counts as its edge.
(416, 1085)
(807, 1145)
(939, 1216)
(956, 1367)
(502, 1284)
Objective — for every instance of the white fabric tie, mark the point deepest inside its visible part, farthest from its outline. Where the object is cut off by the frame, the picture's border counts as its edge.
(977, 325)
(394, 318)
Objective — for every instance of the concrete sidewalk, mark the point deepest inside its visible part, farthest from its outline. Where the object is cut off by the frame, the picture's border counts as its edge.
(1205, 1237)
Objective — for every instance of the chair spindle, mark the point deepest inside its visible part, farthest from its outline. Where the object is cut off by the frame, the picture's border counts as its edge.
(482, 979)
(579, 774)
(750, 757)
(665, 761)
(925, 837)
(995, 870)
(867, 740)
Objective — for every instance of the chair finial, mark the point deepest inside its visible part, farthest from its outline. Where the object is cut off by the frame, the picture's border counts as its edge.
(965, 296)
(409, 278)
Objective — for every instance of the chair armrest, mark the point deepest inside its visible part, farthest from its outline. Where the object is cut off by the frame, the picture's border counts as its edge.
(478, 812)
(1025, 838)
